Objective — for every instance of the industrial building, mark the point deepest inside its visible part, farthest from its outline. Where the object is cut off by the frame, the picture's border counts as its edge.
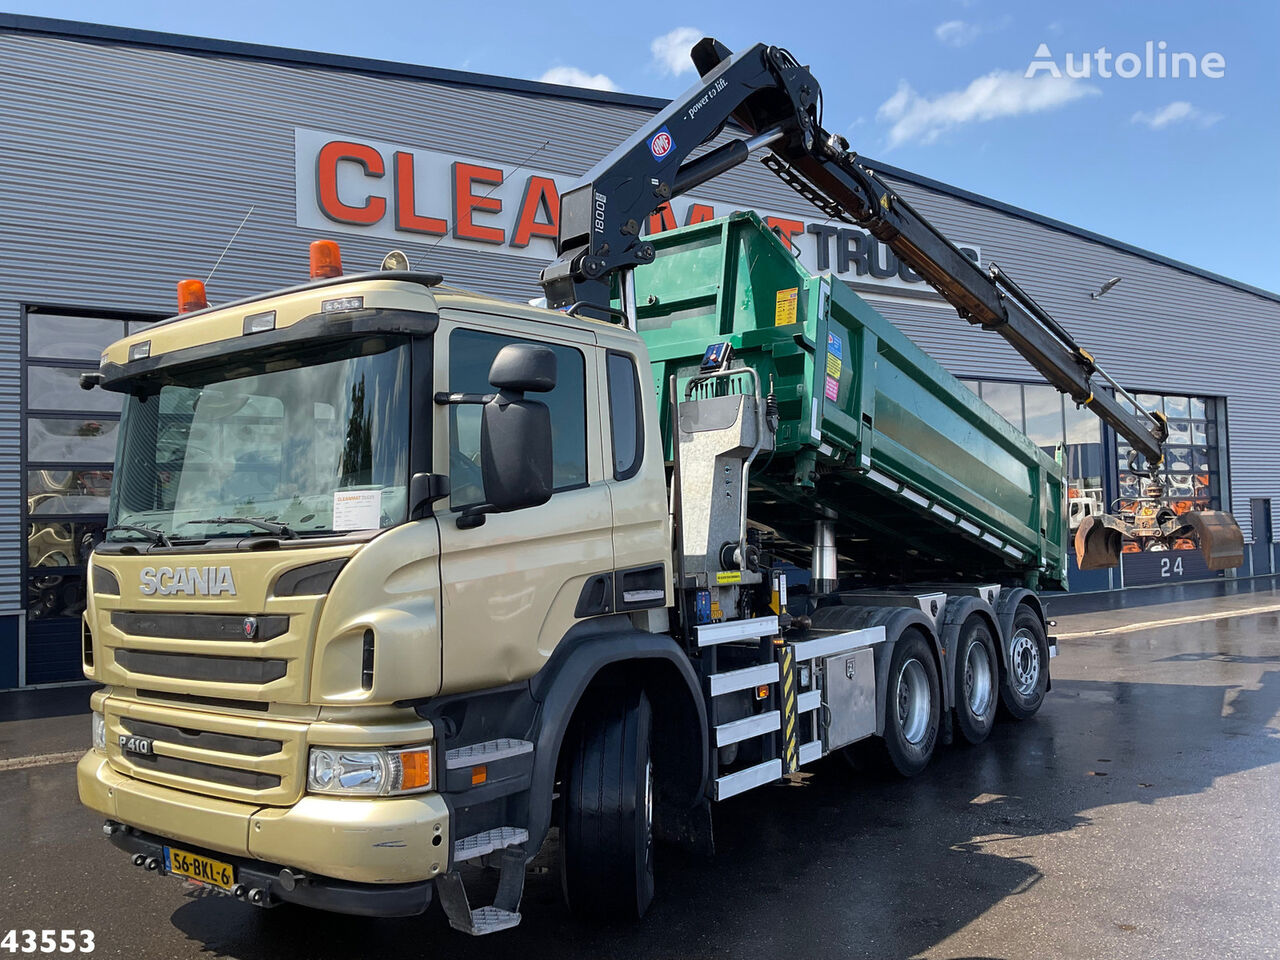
(132, 159)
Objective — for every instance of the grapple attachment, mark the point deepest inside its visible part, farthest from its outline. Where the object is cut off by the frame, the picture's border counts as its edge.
(1100, 538)
(1219, 536)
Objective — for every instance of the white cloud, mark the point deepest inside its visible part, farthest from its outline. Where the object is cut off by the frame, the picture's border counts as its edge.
(956, 33)
(671, 50)
(1001, 93)
(1177, 112)
(573, 77)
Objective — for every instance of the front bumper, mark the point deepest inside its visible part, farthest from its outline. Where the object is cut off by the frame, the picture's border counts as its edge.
(379, 841)
(266, 884)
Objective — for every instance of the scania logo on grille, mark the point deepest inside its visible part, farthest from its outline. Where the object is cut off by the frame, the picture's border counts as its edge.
(205, 581)
(250, 627)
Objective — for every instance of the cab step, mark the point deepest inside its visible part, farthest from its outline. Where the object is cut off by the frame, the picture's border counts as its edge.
(502, 914)
(491, 920)
(484, 843)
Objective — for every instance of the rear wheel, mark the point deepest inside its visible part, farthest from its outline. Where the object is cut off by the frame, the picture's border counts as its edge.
(912, 710)
(1026, 675)
(606, 838)
(977, 681)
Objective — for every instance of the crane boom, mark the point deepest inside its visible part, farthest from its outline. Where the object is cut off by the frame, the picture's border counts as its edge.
(777, 102)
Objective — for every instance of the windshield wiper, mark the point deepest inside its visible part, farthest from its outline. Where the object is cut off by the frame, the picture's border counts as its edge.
(279, 529)
(155, 536)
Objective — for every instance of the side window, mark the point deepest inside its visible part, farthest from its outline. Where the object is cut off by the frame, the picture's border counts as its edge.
(470, 355)
(625, 416)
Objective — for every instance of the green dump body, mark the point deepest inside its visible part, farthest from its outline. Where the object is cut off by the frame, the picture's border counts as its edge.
(922, 478)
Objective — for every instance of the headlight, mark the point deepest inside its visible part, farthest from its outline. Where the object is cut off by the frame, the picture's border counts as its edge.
(382, 772)
(99, 732)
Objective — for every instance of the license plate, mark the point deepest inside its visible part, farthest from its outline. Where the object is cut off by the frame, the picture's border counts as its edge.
(193, 866)
(143, 746)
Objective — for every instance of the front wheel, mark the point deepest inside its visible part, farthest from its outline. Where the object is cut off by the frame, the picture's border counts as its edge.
(606, 838)
(1025, 678)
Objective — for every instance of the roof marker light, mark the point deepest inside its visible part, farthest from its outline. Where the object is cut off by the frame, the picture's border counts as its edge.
(191, 296)
(326, 260)
(140, 351)
(260, 322)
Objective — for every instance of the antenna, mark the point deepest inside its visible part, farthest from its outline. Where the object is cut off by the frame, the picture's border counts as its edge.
(230, 242)
(537, 150)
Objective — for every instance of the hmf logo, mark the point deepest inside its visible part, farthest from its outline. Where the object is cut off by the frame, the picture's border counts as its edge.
(661, 143)
(437, 199)
(204, 581)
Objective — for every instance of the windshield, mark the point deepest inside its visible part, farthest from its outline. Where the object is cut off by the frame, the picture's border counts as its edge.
(317, 440)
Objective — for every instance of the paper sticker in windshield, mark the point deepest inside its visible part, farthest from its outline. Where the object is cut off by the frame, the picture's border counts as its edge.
(357, 509)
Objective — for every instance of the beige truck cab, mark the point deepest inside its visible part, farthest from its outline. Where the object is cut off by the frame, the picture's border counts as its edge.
(373, 541)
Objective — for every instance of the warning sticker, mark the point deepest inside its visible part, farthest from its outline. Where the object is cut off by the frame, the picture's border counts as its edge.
(833, 388)
(835, 346)
(833, 366)
(728, 576)
(784, 311)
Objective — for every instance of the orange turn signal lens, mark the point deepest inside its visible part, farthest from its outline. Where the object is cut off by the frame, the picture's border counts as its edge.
(326, 260)
(191, 296)
(415, 769)
(762, 693)
(479, 774)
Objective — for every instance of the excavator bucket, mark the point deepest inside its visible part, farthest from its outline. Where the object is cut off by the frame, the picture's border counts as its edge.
(1098, 545)
(1219, 536)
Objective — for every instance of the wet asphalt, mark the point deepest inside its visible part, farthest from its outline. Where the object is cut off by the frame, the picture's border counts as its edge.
(1138, 815)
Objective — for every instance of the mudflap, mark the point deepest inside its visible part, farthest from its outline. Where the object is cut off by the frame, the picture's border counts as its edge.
(1097, 543)
(689, 827)
(1220, 538)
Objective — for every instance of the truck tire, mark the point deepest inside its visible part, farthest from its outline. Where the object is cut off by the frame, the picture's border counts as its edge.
(1026, 675)
(912, 713)
(606, 838)
(977, 680)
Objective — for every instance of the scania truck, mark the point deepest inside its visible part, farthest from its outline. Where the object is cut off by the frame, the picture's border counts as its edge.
(399, 577)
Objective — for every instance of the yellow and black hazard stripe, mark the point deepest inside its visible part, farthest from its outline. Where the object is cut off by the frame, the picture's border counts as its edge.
(790, 756)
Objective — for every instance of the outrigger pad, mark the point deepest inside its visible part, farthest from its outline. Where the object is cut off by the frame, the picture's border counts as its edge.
(1220, 538)
(1097, 544)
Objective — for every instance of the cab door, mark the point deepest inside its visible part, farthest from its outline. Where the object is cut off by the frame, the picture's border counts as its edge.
(512, 584)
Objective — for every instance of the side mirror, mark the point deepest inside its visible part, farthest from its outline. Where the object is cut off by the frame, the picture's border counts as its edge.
(521, 367)
(515, 433)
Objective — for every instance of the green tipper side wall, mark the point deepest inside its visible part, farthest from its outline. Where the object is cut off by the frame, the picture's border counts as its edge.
(914, 466)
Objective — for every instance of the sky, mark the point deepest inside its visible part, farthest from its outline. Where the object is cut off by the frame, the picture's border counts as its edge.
(958, 90)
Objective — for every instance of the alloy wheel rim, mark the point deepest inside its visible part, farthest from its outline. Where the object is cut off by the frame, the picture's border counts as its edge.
(913, 700)
(1024, 659)
(977, 679)
(648, 809)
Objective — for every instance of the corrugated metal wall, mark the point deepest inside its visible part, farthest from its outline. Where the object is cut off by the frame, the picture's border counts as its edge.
(128, 167)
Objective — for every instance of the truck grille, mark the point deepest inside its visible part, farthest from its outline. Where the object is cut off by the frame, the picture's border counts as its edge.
(199, 626)
(251, 759)
(195, 666)
(260, 656)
